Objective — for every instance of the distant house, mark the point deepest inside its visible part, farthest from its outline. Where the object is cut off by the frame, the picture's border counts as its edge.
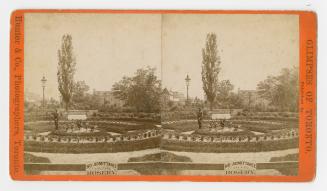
(251, 99)
(177, 97)
(108, 98)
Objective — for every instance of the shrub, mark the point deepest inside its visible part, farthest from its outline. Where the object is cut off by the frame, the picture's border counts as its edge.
(104, 147)
(213, 147)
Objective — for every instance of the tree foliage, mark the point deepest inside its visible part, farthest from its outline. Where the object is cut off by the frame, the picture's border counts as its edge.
(224, 90)
(235, 101)
(141, 91)
(281, 91)
(66, 69)
(81, 99)
(210, 68)
(225, 97)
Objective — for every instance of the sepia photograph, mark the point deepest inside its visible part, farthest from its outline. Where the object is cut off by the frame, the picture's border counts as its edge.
(230, 91)
(161, 94)
(92, 92)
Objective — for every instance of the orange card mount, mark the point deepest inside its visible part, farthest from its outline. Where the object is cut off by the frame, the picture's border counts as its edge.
(144, 95)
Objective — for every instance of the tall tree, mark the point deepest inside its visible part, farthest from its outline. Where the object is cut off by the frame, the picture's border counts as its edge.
(223, 96)
(282, 90)
(66, 69)
(142, 91)
(210, 68)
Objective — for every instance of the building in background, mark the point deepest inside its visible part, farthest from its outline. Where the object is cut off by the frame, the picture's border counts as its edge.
(108, 98)
(177, 97)
(252, 100)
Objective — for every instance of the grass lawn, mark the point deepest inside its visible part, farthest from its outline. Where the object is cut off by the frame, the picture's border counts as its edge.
(289, 157)
(162, 156)
(29, 158)
(159, 157)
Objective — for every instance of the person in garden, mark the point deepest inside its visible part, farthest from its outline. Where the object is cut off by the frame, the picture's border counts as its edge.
(55, 115)
(200, 117)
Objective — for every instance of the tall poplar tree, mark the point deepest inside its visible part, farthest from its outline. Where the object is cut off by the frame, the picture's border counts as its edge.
(66, 70)
(210, 68)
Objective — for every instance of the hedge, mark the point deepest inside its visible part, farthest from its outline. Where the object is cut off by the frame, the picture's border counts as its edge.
(121, 146)
(212, 147)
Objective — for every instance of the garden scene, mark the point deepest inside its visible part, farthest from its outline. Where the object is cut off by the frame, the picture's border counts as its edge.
(157, 120)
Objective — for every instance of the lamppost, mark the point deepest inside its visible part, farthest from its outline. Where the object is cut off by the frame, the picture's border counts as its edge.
(187, 80)
(43, 81)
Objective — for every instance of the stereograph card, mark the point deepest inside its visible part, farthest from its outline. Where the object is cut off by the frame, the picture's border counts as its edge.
(163, 95)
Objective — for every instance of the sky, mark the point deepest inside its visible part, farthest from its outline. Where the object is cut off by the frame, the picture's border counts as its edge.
(251, 47)
(106, 47)
(110, 46)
